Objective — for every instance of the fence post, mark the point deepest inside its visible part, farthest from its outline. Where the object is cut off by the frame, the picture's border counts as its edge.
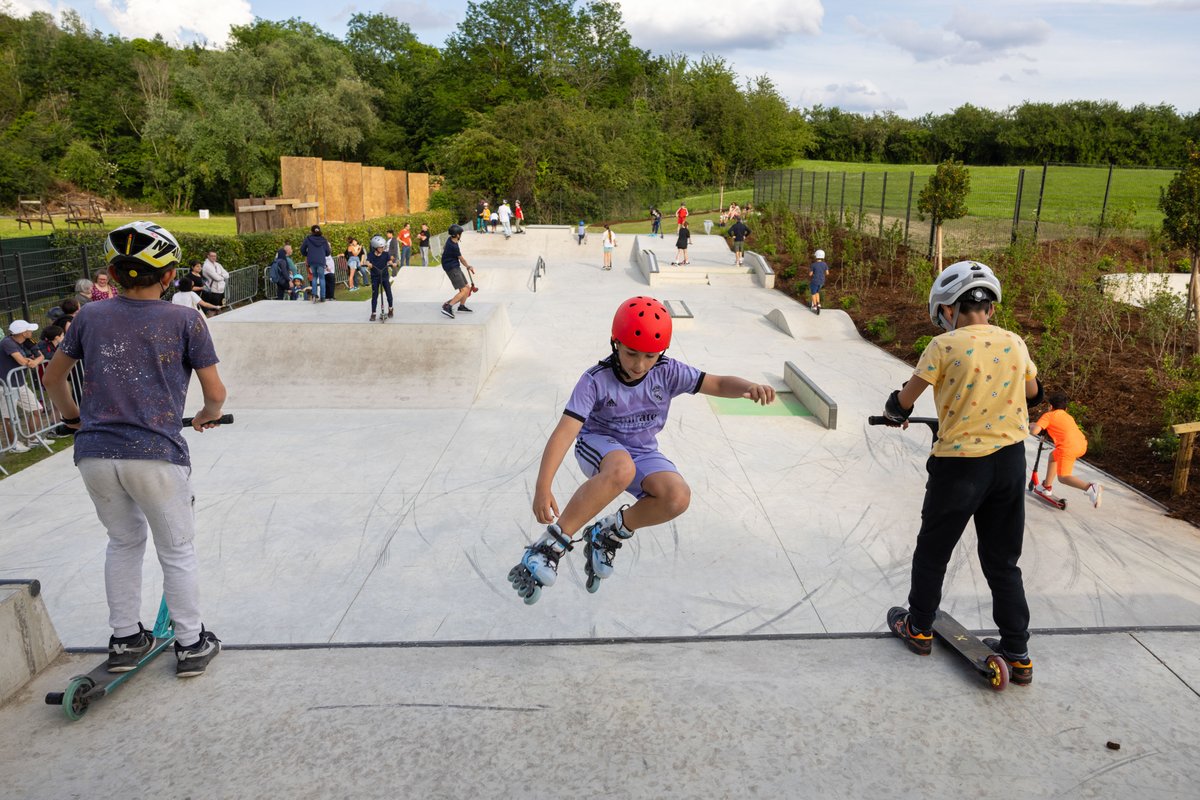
(1183, 457)
(84, 271)
(912, 176)
(882, 204)
(862, 193)
(1104, 208)
(1037, 219)
(791, 176)
(1017, 206)
(21, 290)
(828, 177)
(812, 196)
(842, 199)
(932, 234)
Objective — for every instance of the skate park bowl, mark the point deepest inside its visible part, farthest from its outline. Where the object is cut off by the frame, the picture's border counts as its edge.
(354, 545)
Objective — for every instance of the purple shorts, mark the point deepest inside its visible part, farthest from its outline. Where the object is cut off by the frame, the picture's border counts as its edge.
(591, 448)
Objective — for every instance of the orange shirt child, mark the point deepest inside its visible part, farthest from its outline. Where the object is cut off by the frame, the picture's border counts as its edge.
(405, 238)
(1061, 426)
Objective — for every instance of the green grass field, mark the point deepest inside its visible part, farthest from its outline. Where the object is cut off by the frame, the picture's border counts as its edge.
(1073, 195)
(176, 223)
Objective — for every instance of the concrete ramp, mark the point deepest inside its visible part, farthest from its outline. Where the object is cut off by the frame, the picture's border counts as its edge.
(300, 355)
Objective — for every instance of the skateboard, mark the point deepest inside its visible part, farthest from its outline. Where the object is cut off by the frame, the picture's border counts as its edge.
(83, 690)
(990, 665)
(1034, 480)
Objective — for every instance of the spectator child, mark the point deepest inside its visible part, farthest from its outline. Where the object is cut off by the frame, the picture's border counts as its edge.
(495, 220)
(1069, 444)
(381, 276)
(298, 290)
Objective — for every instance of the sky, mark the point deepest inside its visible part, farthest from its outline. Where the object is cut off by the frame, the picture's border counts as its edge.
(910, 57)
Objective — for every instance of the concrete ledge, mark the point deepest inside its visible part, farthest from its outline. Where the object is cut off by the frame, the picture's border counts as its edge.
(779, 320)
(28, 641)
(679, 309)
(762, 270)
(820, 404)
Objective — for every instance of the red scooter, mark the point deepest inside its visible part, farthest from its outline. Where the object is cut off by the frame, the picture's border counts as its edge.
(1034, 480)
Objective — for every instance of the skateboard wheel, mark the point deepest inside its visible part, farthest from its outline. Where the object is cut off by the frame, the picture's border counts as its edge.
(998, 677)
(74, 699)
(593, 584)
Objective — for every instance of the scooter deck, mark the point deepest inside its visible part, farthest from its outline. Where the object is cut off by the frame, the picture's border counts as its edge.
(107, 682)
(970, 647)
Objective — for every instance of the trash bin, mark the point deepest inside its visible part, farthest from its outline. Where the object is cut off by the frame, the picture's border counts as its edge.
(708, 226)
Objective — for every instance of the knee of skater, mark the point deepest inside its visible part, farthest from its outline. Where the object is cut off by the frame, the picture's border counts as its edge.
(678, 501)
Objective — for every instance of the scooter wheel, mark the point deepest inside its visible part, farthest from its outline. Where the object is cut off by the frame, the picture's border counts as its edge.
(998, 677)
(74, 700)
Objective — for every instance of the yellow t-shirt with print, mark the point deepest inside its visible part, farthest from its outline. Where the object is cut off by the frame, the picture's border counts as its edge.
(978, 374)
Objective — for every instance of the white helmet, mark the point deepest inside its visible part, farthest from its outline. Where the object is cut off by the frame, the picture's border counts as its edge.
(378, 242)
(147, 242)
(819, 254)
(956, 281)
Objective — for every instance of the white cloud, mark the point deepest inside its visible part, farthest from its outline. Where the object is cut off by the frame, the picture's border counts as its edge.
(860, 96)
(179, 21)
(719, 24)
(969, 37)
(23, 8)
(994, 33)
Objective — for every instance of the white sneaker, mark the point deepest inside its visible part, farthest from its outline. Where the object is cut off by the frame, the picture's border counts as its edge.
(1044, 492)
(1095, 493)
(19, 447)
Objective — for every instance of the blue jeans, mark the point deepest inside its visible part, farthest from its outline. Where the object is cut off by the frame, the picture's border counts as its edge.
(405, 253)
(318, 281)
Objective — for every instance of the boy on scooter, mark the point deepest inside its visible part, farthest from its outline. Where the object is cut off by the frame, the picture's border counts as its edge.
(1069, 444)
(982, 379)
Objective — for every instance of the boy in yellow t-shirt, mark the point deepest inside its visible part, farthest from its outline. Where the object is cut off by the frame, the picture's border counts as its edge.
(983, 381)
(1069, 444)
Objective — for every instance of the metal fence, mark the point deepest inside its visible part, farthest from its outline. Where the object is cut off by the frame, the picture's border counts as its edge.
(29, 418)
(1053, 201)
(33, 282)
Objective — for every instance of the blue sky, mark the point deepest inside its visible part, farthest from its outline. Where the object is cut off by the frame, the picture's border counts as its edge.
(906, 56)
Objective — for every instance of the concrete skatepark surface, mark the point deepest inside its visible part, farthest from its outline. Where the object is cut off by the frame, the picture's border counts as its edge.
(371, 521)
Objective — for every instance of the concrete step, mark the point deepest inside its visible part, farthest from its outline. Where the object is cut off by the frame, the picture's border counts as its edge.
(28, 640)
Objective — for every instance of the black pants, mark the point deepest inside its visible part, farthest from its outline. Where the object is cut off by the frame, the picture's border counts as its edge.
(281, 291)
(991, 489)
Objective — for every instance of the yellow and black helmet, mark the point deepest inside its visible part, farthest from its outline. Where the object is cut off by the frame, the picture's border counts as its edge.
(142, 241)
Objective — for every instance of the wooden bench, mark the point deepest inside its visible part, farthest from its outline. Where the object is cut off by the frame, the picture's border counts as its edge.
(31, 210)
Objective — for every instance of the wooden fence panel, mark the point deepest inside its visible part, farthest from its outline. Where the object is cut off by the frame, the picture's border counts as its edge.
(374, 192)
(352, 174)
(418, 192)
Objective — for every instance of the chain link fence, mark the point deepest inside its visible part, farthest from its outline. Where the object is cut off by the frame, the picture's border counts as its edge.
(1054, 201)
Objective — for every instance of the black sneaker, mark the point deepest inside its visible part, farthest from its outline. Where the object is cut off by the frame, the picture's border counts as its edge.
(1020, 670)
(192, 661)
(372, 319)
(125, 652)
(448, 311)
(464, 308)
(391, 312)
(920, 642)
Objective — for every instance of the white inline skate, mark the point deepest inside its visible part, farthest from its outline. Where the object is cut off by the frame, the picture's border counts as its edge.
(601, 540)
(539, 565)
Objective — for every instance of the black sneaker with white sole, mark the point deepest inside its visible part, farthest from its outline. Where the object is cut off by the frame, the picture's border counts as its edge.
(193, 660)
(125, 652)
(448, 311)
(464, 308)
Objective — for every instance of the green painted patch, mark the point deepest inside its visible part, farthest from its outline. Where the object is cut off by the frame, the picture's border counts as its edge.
(785, 405)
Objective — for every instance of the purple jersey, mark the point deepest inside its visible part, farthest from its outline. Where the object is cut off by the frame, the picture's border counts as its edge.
(633, 415)
(138, 359)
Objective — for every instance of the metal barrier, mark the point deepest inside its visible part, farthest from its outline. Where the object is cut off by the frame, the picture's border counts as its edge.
(29, 416)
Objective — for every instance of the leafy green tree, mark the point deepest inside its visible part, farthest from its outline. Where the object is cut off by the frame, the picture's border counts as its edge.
(944, 198)
(1180, 204)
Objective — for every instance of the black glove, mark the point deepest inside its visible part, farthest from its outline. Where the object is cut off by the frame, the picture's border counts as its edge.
(896, 413)
(1038, 398)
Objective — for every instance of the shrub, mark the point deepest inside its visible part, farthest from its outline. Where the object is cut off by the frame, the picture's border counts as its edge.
(848, 302)
(881, 328)
(921, 343)
(1165, 445)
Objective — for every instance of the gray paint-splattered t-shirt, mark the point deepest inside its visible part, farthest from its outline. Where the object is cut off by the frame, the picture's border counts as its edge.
(138, 359)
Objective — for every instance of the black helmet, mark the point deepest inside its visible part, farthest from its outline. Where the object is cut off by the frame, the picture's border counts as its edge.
(456, 230)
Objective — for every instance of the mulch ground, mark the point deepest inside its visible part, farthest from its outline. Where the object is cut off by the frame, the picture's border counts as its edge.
(1118, 396)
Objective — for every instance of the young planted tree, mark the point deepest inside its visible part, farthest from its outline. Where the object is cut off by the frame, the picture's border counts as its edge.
(944, 198)
(1180, 204)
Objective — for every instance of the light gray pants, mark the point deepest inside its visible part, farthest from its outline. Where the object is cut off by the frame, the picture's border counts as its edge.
(134, 497)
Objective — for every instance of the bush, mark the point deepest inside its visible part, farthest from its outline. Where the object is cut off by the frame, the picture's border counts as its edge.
(1165, 445)
(921, 343)
(881, 328)
(848, 302)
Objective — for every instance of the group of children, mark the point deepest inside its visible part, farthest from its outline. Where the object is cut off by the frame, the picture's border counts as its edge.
(135, 463)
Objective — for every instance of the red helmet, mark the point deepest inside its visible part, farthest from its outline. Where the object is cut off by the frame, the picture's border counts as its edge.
(642, 324)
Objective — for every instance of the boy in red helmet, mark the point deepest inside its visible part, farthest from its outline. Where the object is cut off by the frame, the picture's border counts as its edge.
(613, 418)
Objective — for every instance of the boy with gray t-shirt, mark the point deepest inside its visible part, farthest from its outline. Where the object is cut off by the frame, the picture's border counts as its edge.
(140, 354)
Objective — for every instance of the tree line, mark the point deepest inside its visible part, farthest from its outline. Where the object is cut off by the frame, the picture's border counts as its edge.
(547, 101)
